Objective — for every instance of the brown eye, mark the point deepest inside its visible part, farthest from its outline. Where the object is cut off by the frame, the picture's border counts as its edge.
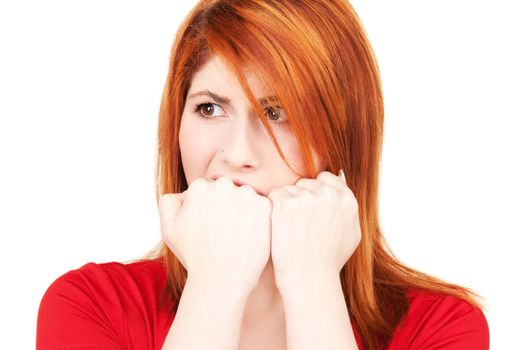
(207, 109)
(272, 114)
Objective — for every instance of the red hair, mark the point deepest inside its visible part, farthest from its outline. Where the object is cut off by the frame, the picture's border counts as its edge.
(317, 60)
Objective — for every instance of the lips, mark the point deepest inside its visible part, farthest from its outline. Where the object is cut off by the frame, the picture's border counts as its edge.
(240, 183)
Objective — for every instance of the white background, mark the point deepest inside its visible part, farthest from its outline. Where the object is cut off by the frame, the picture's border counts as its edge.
(80, 88)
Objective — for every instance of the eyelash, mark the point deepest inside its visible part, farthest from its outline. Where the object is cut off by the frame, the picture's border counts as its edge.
(198, 107)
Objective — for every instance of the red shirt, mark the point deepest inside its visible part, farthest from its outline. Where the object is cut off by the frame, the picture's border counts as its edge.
(114, 306)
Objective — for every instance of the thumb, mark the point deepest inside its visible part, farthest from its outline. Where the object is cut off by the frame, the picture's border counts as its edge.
(169, 206)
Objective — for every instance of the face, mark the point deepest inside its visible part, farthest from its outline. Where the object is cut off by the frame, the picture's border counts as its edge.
(210, 124)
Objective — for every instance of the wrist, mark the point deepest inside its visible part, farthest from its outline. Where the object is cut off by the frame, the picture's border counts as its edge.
(219, 288)
(309, 288)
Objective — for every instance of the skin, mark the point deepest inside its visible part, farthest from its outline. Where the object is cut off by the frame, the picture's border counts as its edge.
(314, 222)
(249, 152)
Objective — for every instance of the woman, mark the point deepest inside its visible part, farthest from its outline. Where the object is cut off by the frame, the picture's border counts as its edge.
(266, 244)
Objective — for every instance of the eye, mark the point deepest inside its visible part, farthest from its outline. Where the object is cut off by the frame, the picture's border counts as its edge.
(274, 113)
(210, 110)
(205, 110)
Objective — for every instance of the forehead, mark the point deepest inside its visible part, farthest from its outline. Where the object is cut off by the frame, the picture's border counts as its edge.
(215, 75)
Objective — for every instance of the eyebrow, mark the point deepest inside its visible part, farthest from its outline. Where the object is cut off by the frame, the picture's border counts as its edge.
(226, 100)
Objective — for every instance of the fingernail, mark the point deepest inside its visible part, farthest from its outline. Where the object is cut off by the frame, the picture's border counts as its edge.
(342, 175)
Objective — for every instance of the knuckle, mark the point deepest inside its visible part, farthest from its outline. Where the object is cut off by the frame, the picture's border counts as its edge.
(331, 191)
(302, 181)
(224, 182)
(223, 179)
(198, 183)
(266, 203)
(246, 189)
(308, 195)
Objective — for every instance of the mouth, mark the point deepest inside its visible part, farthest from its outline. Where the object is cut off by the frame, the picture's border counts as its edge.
(238, 182)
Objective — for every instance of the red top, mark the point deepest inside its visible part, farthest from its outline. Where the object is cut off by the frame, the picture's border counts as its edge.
(114, 306)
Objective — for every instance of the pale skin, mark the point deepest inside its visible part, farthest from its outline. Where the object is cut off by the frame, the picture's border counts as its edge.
(277, 287)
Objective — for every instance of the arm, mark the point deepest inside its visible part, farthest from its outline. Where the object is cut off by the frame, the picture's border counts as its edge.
(207, 318)
(317, 317)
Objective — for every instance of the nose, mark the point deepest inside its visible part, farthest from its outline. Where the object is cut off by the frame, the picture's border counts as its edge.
(241, 144)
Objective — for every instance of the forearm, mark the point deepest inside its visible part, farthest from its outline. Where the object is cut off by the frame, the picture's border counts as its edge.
(317, 318)
(207, 318)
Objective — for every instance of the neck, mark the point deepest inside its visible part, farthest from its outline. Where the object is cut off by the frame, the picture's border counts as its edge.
(265, 297)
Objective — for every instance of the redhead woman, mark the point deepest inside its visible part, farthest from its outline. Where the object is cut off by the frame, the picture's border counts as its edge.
(269, 147)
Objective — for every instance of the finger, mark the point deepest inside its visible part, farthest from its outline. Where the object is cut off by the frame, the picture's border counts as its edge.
(277, 194)
(312, 185)
(328, 178)
(292, 190)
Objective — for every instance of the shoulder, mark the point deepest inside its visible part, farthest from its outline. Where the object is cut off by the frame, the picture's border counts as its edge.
(441, 321)
(103, 303)
(101, 278)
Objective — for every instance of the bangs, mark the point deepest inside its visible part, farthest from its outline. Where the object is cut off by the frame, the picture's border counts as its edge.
(249, 49)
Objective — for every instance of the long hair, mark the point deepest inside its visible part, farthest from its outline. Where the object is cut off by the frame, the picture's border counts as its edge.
(316, 58)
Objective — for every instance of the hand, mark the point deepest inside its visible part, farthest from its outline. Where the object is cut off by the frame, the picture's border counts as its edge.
(219, 232)
(314, 228)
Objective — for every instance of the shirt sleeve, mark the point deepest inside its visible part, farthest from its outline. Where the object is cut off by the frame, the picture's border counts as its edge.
(442, 322)
(70, 317)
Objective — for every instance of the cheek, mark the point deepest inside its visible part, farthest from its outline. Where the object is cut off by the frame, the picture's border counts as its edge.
(196, 150)
(291, 151)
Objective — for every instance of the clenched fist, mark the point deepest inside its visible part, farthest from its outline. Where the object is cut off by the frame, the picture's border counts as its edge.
(218, 231)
